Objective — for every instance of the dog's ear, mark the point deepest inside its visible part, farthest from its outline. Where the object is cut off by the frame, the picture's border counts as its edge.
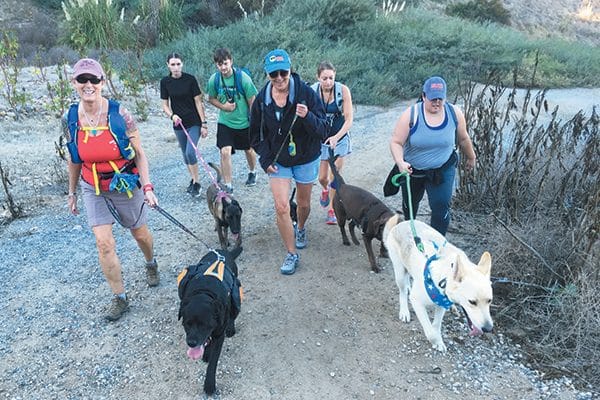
(485, 264)
(459, 267)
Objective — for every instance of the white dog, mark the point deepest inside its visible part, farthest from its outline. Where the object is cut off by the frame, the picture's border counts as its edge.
(442, 275)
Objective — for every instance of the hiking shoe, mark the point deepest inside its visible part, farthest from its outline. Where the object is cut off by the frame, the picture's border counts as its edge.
(251, 181)
(190, 186)
(290, 264)
(324, 200)
(152, 276)
(195, 189)
(117, 308)
(331, 219)
(301, 240)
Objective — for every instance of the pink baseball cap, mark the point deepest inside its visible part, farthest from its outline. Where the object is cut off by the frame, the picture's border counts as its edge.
(88, 66)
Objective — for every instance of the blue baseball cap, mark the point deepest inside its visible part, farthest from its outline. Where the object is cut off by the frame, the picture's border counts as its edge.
(276, 60)
(435, 88)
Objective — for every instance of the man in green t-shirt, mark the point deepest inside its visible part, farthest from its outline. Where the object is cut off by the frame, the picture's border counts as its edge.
(232, 92)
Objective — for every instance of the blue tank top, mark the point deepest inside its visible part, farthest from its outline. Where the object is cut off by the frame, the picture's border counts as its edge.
(335, 119)
(429, 147)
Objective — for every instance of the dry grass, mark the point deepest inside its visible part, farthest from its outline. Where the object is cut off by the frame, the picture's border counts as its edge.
(539, 176)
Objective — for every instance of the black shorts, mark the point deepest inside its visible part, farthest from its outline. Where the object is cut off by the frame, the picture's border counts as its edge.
(238, 139)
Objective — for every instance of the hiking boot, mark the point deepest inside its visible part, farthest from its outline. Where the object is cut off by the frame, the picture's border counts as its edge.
(117, 308)
(251, 181)
(195, 190)
(301, 240)
(152, 276)
(331, 219)
(324, 200)
(190, 186)
(290, 264)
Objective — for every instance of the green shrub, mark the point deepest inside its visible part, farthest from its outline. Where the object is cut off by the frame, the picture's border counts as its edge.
(481, 11)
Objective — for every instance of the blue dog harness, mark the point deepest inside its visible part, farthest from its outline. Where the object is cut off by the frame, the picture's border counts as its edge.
(435, 294)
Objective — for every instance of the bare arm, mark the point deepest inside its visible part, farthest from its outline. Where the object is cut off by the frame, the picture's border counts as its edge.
(199, 102)
(398, 139)
(166, 106)
(464, 141)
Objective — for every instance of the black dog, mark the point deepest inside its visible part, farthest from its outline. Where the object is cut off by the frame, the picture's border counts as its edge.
(293, 208)
(362, 208)
(211, 296)
(226, 211)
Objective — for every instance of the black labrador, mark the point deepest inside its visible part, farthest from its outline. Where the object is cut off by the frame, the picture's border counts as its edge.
(362, 209)
(210, 296)
(226, 211)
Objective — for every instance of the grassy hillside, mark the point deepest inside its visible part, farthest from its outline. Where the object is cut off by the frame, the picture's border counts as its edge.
(384, 58)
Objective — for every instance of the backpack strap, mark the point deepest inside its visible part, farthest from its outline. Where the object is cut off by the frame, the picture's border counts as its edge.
(72, 126)
(414, 115)
(238, 81)
(450, 110)
(339, 95)
(338, 92)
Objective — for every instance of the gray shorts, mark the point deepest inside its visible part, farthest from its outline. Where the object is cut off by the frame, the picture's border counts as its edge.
(133, 213)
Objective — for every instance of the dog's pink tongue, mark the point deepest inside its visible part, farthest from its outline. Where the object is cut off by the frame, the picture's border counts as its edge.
(235, 236)
(475, 331)
(195, 353)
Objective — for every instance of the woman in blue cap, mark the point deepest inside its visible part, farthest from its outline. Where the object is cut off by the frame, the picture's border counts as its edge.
(423, 145)
(287, 126)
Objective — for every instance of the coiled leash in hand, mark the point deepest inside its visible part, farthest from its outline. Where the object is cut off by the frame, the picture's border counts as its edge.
(395, 182)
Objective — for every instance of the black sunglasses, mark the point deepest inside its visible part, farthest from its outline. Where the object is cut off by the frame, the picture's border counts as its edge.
(92, 79)
(280, 72)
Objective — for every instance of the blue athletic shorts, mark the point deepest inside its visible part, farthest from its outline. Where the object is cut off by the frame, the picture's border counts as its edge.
(304, 173)
(342, 148)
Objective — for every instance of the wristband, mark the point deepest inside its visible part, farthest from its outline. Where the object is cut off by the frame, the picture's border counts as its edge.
(204, 123)
(148, 187)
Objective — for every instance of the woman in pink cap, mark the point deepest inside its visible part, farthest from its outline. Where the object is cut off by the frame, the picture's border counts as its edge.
(106, 153)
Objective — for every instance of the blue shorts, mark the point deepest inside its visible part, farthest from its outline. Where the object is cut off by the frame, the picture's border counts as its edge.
(304, 173)
(342, 148)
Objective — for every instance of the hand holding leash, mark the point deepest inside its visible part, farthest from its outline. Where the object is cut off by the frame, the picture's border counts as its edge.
(301, 108)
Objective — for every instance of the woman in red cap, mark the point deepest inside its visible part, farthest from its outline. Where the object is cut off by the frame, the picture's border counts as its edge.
(106, 153)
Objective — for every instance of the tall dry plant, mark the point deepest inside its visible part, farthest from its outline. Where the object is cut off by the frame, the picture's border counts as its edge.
(538, 175)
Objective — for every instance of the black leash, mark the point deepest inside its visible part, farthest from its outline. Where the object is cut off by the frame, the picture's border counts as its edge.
(286, 138)
(178, 224)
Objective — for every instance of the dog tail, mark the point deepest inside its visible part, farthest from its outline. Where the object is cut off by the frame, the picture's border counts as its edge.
(337, 178)
(217, 169)
(293, 194)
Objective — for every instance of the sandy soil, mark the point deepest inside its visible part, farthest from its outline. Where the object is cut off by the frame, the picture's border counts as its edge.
(329, 331)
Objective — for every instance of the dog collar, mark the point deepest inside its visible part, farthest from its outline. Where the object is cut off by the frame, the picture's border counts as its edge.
(435, 294)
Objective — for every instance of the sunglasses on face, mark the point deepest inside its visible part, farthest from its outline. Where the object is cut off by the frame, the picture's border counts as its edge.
(85, 79)
(281, 72)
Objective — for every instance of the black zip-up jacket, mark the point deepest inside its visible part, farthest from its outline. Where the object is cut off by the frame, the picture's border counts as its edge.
(267, 133)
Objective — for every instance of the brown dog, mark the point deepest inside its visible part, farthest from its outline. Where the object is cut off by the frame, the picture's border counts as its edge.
(361, 208)
(226, 211)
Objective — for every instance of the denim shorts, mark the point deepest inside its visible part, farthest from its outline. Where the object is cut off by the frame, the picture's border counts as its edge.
(342, 148)
(304, 173)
